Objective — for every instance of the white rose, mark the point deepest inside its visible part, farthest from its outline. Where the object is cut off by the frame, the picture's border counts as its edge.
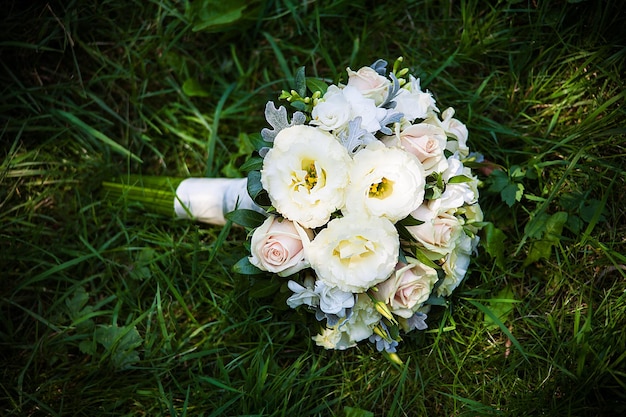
(408, 288)
(413, 102)
(278, 246)
(305, 175)
(370, 83)
(427, 142)
(438, 234)
(385, 182)
(355, 252)
(333, 112)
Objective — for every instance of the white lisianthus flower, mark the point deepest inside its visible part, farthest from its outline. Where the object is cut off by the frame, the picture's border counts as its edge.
(413, 102)
(278, 246)
(355, 252)
(370, 83)
(359, 326)
(438, 234)
(427, 142)
(306, 174)
(408, 288)
(385, 182)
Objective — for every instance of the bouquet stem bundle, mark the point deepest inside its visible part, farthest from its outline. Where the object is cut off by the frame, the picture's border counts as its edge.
(206, 200)
(156, 194)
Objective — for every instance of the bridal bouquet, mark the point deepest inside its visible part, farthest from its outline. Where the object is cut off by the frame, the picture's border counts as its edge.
(372, 216)
(361, 202)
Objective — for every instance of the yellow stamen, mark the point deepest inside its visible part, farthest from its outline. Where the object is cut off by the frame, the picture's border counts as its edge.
(381, 189)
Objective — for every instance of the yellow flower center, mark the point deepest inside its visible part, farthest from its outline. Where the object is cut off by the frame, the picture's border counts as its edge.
(310, 179)
(381, 189)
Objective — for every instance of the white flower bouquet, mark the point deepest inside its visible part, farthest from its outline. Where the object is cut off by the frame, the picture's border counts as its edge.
(361, 201)
(372, 213)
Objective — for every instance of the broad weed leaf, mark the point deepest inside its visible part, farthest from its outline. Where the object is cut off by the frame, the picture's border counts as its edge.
(120, 343)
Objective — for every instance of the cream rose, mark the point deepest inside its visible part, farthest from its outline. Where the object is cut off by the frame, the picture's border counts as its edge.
(355, 252)
(427, 142)
(438, 234)
(306, 174)
(453, 128)
(408, 288)
(385, 182)
(370, 83)
(278, 246)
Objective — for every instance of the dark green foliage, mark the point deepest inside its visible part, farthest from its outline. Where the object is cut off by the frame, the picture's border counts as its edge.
(108, 310)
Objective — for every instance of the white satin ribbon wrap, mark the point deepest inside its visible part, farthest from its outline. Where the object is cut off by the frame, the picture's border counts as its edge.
(207, 200)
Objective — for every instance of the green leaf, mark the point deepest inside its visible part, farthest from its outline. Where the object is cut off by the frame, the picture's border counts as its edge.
(512, 193)
(193, 88)
(357, 412)
(300, 82)
(246, 218)
(76, 304)
(493, 243)
(244, 267)
(503, 328)
(501, 306)
(97, 135)
(498, 179)
(254, 163)
(264, 288)
(459, 179)
(256, 190)
(423, 258)
(254, 184)
(214, 15)
(551, 237)
(410, 221)
(589, 209)
(257, 141)
(315, 85)
(120, 343)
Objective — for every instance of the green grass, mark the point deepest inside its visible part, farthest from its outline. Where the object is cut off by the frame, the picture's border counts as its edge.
(108, 310)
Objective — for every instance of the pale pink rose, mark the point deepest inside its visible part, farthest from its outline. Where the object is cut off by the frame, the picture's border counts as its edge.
(427, 142)
(438, 235)
(278, 246)
(370, 83)
(408, 288)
